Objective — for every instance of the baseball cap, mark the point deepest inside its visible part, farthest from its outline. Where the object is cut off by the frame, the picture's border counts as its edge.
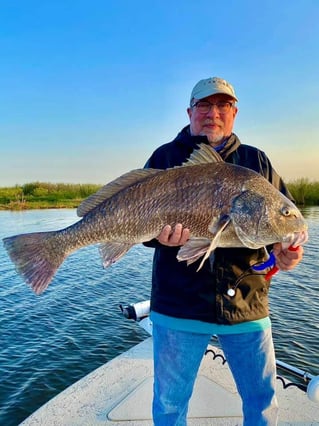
(212, 86)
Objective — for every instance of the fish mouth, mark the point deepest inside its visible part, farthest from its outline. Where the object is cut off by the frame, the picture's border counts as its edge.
(295, 239)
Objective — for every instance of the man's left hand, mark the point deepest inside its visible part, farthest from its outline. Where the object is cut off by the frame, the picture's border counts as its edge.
(287, 259)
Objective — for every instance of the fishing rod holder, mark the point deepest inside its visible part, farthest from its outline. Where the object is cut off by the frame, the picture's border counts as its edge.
(137, 311)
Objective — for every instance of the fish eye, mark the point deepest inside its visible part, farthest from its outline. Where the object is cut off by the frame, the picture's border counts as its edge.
(285, 211)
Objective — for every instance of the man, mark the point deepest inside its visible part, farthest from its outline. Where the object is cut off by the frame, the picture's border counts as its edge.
(187, 306)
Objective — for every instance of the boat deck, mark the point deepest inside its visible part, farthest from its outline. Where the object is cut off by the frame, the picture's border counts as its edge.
(119, 393)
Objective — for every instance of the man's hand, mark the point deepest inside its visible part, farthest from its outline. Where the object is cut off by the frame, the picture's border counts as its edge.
(173, 237)
(287, 259)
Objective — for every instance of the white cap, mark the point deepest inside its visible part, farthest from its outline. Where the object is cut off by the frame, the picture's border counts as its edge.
(212, 86)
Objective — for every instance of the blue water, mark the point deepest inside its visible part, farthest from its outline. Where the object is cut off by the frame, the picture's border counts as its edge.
(50, 341)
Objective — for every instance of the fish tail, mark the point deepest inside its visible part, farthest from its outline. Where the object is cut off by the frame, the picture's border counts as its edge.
(36, 256)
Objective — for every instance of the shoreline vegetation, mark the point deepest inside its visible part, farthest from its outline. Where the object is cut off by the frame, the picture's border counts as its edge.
(41, 195)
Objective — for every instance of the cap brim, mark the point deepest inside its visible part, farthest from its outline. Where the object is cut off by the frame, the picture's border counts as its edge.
(209, 92)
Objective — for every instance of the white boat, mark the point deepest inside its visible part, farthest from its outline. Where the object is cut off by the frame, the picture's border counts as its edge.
(119, 393)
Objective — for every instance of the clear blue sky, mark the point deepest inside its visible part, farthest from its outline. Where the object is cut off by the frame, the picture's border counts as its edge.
(89, 89)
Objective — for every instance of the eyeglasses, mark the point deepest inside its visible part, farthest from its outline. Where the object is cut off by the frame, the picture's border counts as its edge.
(203, 107)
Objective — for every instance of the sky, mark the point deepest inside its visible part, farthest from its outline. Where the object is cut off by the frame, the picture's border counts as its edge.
(89, 89)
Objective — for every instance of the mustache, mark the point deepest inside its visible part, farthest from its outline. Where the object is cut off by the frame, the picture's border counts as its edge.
(214, 122)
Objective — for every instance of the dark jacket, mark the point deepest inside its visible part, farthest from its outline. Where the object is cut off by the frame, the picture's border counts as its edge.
(177, 289)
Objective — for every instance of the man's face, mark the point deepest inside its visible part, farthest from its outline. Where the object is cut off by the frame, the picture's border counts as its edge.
(214, 124)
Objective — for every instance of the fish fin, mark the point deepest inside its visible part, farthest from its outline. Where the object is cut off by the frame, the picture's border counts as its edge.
(193, 249)
(216, 228)
(197, 247)
(34, 258)
(114, 187)
(112, 252)
(204, 154)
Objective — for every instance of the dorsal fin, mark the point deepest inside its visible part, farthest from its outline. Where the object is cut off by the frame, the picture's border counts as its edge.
(112, 188)
(204, 154)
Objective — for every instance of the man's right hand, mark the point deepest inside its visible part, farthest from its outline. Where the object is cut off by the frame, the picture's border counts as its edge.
(174, 237)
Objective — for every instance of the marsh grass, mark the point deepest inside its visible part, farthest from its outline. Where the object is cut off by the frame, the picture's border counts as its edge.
(305, 192)
(41, 195)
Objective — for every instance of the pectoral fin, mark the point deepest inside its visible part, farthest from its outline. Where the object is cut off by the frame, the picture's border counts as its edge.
(197, 247)
(112, 252)
(216, 228)
(193, 250)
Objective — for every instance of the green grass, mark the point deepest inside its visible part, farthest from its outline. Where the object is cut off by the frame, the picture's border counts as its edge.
(41, 195)
(305, 192)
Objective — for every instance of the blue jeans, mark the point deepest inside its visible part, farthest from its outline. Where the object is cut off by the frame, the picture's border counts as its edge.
(177, 357)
